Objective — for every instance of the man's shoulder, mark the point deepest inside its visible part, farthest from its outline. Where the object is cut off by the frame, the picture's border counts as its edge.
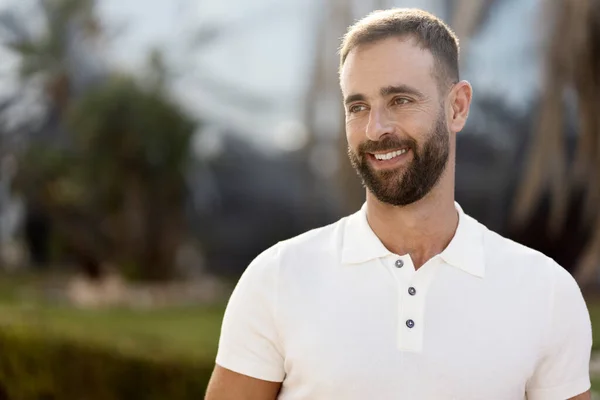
(507, 253)
(498, 244)
(324, 239)
(323, 236)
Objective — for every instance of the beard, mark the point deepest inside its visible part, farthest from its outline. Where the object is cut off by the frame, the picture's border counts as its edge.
(401, 188)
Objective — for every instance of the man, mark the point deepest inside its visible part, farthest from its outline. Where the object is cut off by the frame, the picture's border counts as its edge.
(409, 298)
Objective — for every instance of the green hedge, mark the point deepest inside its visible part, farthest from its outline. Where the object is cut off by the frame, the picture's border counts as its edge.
(35, 367)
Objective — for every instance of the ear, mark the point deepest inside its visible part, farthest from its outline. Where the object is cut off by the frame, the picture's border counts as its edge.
(460, 103)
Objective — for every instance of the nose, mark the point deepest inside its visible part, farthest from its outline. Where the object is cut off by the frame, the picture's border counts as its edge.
(379, 124)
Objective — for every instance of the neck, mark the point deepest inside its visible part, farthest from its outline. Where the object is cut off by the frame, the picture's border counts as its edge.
(422, 229)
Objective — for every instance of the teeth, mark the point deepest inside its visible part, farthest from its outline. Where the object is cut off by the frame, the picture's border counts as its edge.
(389, 156)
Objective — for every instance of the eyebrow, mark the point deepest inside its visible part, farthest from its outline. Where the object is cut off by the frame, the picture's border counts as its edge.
(354, 97)
(386, 91)
(401, 89)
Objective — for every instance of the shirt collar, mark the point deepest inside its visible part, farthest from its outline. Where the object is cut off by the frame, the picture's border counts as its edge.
(465, 250)
(360, 242)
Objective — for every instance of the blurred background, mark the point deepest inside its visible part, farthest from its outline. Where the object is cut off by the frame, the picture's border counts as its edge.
(149, 150)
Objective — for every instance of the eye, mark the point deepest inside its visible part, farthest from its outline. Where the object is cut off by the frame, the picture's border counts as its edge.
(399, 101)
(356, 108)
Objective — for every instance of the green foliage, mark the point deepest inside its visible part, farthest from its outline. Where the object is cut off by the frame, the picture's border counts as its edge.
(57, 352)
(116, 192)
(121, 129)
(134, 149)
(114, 189)
(34, 367)
(48, 55)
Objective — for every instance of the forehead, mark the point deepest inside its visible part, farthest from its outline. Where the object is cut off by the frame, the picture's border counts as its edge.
(392, 61)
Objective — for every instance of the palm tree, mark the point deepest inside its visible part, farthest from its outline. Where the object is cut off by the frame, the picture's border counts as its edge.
(54, 62)
(70, 26)
(132, 150)
(572, 65)
(114, 187)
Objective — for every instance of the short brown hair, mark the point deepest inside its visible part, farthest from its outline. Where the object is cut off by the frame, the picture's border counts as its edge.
(429, 31)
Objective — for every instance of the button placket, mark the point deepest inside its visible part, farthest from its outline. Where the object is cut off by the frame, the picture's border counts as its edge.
(402, 268)
(411, 312)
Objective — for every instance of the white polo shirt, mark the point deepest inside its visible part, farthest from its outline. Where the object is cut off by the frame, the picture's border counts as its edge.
(334, 315)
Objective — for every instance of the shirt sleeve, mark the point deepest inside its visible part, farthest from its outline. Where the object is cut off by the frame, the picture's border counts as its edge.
(249, 342)
(563, 370)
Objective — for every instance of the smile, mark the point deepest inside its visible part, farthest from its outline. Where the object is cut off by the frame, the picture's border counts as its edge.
(390, 155)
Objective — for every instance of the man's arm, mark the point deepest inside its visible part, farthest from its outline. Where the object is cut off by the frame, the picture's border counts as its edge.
(583, 396)
(563, 370)
(250, 357)
(228, 385)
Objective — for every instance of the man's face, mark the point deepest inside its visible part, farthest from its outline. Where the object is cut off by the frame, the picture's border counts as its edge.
(398, 139)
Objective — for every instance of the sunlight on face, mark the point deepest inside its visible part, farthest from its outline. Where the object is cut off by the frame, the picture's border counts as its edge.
(398, 140)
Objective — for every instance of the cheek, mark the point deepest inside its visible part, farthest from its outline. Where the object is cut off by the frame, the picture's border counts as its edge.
(420, 127)
(355, 132)
(415, 120)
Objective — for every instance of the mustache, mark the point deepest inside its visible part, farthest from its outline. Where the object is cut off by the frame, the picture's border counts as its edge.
(387, 144)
